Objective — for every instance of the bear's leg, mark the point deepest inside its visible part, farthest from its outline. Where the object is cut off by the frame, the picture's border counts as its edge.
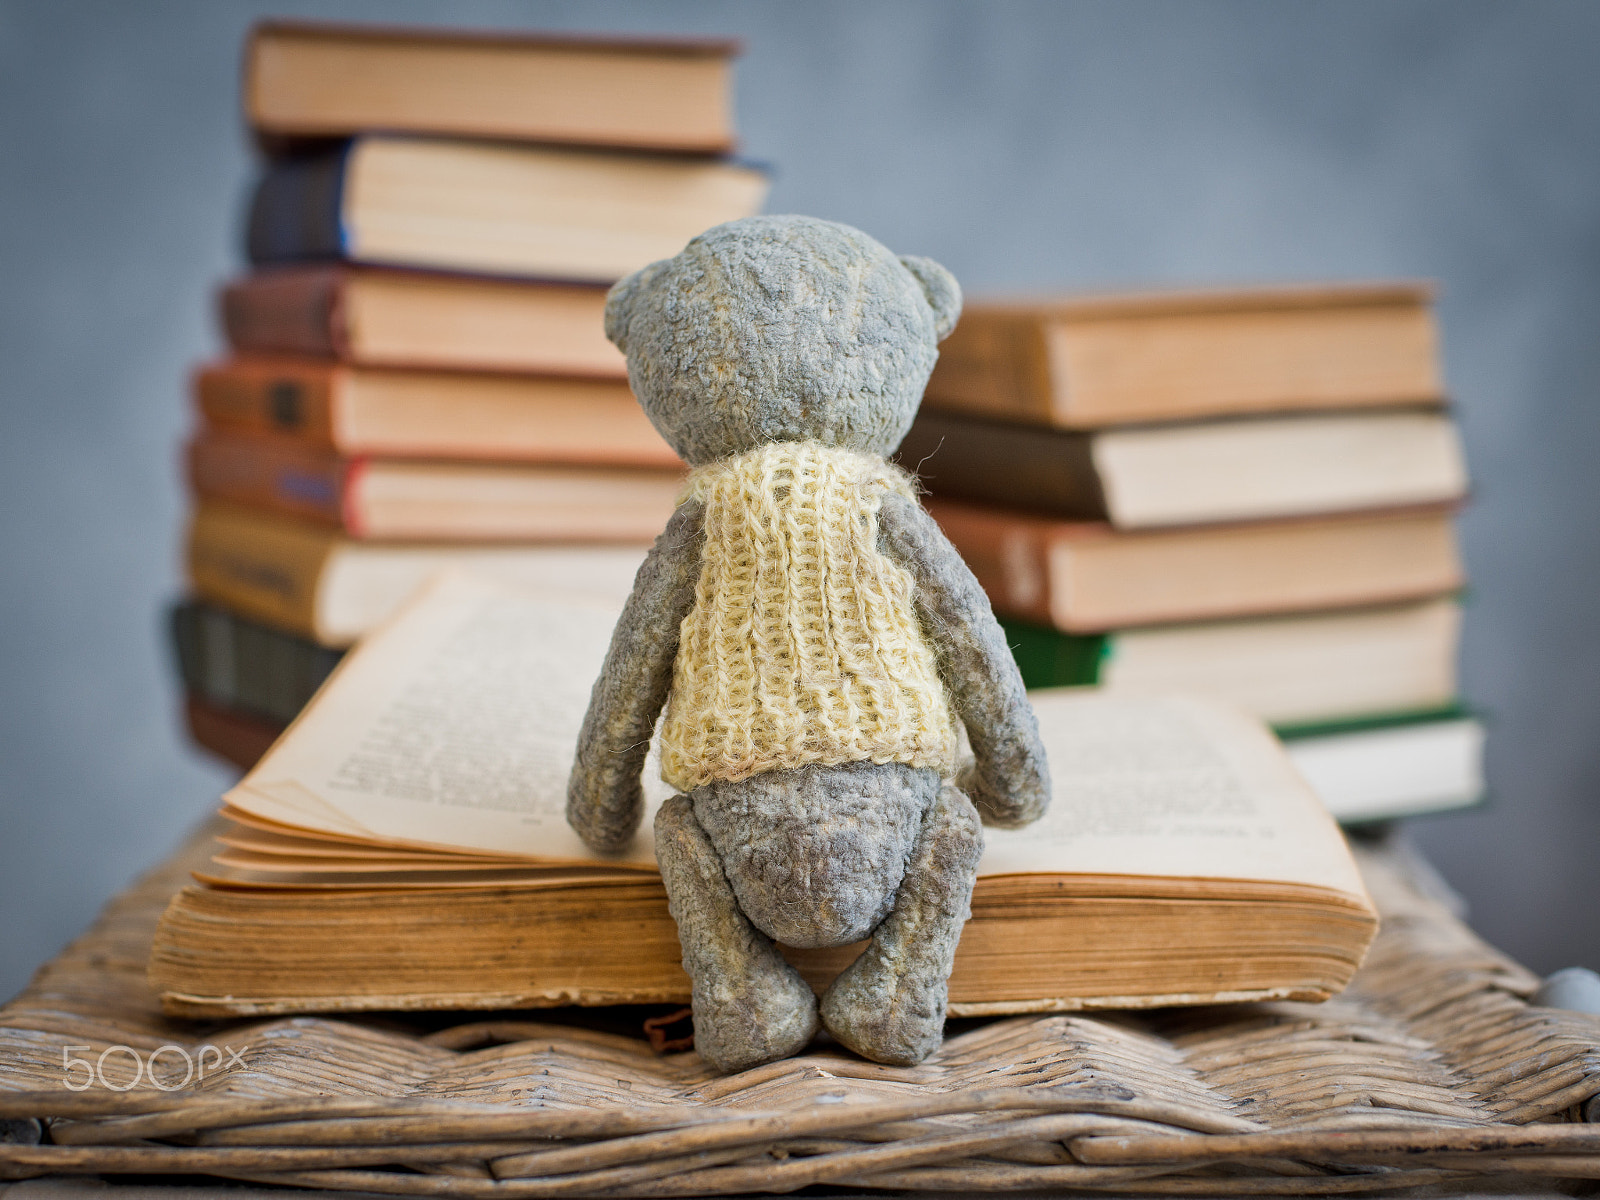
(889, 1004)
(750, 1006)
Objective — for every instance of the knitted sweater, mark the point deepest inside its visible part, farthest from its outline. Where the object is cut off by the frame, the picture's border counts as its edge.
(803, 645)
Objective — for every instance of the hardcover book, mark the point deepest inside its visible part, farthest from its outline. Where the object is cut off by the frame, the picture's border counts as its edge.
(379, 317)
(314, 581)
(1183, 859)
(1083, 363)
(1150, 476)
(386, 413)
(533, 211)
(313, 79)
(1086, 577)
(384, 499)
(1291, 669)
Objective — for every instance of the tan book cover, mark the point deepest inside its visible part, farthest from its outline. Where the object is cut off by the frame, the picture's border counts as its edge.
(317, 79)
(1089, 362)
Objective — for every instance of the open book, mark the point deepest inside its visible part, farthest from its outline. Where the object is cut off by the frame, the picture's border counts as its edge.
(404, 845)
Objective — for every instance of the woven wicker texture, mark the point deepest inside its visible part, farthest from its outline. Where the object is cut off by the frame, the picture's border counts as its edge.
(1430, 1070)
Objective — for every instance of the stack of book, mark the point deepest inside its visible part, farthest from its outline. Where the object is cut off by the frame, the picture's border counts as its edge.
(418, 373)
(1248, 494)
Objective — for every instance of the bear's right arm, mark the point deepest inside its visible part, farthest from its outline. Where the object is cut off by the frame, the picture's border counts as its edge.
(604, 798)
(1010, 782)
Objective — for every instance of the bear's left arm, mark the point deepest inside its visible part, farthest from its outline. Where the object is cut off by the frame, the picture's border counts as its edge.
(605, 800)
(1011, 781)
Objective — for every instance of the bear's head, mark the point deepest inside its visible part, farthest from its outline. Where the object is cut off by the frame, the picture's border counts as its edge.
(782, 329)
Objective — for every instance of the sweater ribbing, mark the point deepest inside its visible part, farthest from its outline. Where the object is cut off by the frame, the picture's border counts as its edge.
(803, 644)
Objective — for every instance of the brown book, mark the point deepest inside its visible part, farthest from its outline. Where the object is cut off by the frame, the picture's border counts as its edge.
(429, 830)
(406, 499)
(391, 318)
(317, 582)
(310, 79)
(1086, 363)
(1085, 577)
(1150, 476)
(239, 739)
(431, 414)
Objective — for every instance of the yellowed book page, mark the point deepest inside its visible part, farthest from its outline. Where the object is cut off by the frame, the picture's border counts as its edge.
(240, 837)
(452, 727)
(243, 879)
(573, 214)
(1278, 467)
(1170, 786)
(421, 872)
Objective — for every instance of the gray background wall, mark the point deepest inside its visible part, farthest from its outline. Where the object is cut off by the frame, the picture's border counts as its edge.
(1026, 145)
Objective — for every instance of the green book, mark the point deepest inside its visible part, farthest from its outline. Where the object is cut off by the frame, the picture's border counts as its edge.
(1364, 701)
(1305, 673)
(243, 666)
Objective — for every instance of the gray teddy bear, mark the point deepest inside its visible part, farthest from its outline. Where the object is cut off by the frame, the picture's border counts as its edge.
(814, 640)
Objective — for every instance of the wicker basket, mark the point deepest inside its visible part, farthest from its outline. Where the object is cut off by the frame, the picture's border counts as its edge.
(1431, 1070)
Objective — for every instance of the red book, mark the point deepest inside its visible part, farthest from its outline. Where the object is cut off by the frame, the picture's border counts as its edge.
(398, 499)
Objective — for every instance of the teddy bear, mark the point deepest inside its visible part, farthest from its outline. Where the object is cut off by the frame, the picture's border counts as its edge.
(815, 641)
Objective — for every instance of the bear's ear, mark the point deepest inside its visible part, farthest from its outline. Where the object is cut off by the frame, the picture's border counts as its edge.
(941, 289)
(619, 305)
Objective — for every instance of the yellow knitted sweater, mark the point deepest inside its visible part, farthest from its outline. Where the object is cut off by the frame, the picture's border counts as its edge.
(803, 645)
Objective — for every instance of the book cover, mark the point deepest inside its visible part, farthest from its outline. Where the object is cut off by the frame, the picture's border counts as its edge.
(1088, 362)
(313, 79)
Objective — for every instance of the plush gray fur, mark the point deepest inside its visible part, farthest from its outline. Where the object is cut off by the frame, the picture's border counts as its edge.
(750, 1006)
(1009, 780)
(788, 329)
(889, 1004)
(815, 853)
(780, 329)
(604, 797)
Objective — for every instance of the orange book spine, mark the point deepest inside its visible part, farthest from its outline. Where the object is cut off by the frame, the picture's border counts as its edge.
(289, 398)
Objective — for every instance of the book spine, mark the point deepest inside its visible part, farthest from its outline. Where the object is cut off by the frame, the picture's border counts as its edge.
(994, 365)
(1007, 554)
(273, 474)
(236, 738)
(1049, 658)
(286, 312)
(297, 212)
(244, 666)
(268, 570)
(258, 398)
(183, 627)
(1041, 470)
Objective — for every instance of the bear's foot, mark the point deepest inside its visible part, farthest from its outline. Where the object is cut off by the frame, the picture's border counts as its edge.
(753, 1019)
(889, 1004)
(750, 1005)
(879, 1012)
